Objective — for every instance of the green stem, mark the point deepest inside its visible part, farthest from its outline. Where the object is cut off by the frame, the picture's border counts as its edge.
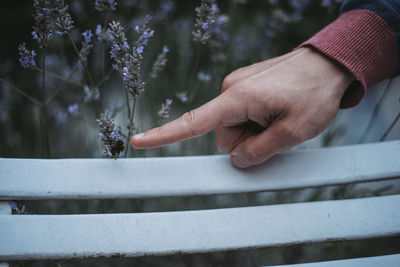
(22, 92)
(44, 120)
(390, 127)
(89, 76)
(61, 85)
(377, 108)
(130, 133)
(58, 77)
(105, 78)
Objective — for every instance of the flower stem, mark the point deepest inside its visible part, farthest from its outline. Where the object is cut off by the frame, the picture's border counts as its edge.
(58, 77)
(61, 85)
(18, 90)
(130, 131)
(89, 76)
(44, 120)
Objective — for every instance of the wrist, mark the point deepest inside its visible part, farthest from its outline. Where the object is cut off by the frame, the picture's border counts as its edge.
(331, 71)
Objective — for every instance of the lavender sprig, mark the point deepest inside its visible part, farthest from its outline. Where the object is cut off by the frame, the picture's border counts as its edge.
(42, 30)
(62, 19)
(128, 62)
(163, 113)
(160, 63)
(145, 33)
(209, 26)
(105, 5)
(26, 57)
(51, 18)
(110, 135)
(86, 45)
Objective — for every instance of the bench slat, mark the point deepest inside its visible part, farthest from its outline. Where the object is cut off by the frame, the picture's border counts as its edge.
(188, 176)
(387, 261)
(70, 236)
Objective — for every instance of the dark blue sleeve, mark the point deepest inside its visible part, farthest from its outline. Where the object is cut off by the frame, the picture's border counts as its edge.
(388, 10)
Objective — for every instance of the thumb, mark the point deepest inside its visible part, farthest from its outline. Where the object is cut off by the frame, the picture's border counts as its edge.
(194, 123)
(258, 148)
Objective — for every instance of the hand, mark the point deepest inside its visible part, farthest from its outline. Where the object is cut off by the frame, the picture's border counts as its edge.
(263, 108)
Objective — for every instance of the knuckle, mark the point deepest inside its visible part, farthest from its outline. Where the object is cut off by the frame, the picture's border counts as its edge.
(227, 82)
(189, 119)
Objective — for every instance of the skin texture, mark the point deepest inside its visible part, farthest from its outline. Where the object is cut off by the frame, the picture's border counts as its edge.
(263, 108)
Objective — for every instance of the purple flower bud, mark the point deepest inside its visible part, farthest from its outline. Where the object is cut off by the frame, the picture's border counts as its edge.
(87, 35)
(34, 35)
(165, 49)
(139, 50)
(99, 31)
(13, 205)
(73, 109)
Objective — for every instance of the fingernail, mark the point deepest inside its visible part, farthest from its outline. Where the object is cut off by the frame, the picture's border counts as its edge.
(138, 136)
(238, 162)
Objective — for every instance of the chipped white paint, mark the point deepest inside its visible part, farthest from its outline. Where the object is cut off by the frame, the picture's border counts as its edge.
(386, 261)
(179, 176)
(5, 209)
(69, 236)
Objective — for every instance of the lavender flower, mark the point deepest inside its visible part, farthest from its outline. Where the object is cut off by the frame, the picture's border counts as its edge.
(87, 36)
(160, 63)
(326, 3)
(105, 5)
(91, 94)
(51, 18)
(163, 113)
(60, 117)
(128, 61)
(204, 77)
(209, 26)
(42, 30)
(144, 31)
(17, 208)
(73, 109)
(210, 29)
(110, 135)
(26, 57)
(298, 6)
(86, 44)
(62, 19)
(182, 96)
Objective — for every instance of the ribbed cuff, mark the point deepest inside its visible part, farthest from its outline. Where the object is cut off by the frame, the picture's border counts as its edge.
(363, 42)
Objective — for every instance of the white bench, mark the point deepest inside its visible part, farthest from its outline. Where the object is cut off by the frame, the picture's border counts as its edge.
(34, 237)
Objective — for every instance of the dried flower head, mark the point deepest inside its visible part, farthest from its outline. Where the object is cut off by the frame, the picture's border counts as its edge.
(163, 113)
(210, 28)
(18, 208)
(144, 32)
(182, 96)
(209, 22)
(105, 5)
(204, 77)
(103, 34)
(42, 30)
(73, 109)
(26, 57)
(91, 94)
(51, 18)
(86, 44)
(128, 61)
(62, 19)
(160, 63)
(110, 135)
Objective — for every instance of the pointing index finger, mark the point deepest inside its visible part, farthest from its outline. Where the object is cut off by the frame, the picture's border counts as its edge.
(191, 124)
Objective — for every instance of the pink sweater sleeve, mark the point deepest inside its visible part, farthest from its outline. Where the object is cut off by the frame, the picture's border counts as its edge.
(362, 42)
